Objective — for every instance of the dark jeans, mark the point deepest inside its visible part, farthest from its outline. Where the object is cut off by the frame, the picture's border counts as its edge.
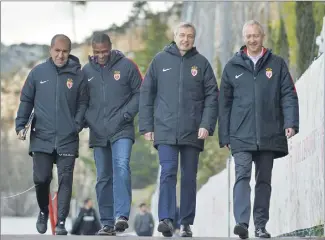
(168, 158)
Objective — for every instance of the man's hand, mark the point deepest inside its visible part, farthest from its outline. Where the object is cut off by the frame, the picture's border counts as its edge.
(203, 133)
(290, 132)
(149, 136)
(21, 135)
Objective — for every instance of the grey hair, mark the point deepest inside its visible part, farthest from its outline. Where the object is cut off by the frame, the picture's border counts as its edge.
(253, 22)
(184, 25)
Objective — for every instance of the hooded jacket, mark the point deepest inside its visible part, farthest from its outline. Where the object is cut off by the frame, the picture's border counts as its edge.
(178, 96)
(113, 99)
(87, 223)
(59, 98)
(257, 104)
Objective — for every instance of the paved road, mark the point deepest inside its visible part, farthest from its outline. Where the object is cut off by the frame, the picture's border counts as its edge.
(71, 237)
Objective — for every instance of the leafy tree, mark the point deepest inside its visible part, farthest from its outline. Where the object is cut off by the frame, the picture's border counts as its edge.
(318, 13)
(283, 42)
(138, 8)
(279, 40)
(289, 18)
(155, 38)
(296, 30)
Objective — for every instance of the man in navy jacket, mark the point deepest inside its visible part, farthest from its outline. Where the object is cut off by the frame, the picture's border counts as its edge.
(258, 111)
(56, 90)
(178, 111)
(114, 87)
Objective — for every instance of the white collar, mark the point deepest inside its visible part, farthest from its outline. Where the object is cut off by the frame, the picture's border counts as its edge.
(258, 56)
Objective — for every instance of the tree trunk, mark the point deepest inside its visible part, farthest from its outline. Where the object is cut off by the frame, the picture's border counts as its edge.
(305, 32)
(283, 42)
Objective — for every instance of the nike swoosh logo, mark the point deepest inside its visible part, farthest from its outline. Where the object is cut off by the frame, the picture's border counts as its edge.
(89, 79)
(166, 69)
(237, 76)
(41, 82)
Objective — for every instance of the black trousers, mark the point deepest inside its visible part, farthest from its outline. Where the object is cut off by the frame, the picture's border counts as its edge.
(42, 176)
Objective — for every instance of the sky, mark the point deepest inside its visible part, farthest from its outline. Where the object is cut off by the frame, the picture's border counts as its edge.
(38, 22)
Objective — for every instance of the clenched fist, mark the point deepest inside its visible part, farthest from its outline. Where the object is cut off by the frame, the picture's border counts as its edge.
(203, 133)
(21, 135)
(149, 136)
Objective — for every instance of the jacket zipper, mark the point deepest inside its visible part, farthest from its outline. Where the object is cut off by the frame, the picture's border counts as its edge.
(179, 99)
(56, 110)
(103, 89)
(256, 114)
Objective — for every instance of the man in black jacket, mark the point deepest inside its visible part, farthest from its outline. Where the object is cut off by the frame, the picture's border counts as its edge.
(258, 111)
(56, 90)
(87, 222)
(178, 111)
(144, 222)
(114, 88)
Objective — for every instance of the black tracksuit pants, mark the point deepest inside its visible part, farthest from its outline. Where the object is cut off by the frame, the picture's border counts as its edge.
(42, 176)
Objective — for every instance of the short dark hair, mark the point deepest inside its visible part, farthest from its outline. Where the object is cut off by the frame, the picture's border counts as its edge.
(65, 37)
(86, 200)
(142, 205)
(100, 37)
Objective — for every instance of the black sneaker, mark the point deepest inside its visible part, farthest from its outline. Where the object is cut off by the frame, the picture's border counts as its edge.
(41, 224)
(166, 228)
(241, 230)
(60, 228)
(262, 233)
(121, 224)
(186, 231)
(107, 231)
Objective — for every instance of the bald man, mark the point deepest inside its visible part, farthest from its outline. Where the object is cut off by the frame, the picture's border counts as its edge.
(56, 90)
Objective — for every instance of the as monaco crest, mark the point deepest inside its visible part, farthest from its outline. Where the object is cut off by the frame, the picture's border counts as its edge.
(194, 71)
(117, 75)
(69, 83)
(268, 72)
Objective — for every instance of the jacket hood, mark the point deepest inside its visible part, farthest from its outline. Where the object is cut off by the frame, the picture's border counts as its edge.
(115, 56)
(72, 66)
(242, 55)
(173, 49)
